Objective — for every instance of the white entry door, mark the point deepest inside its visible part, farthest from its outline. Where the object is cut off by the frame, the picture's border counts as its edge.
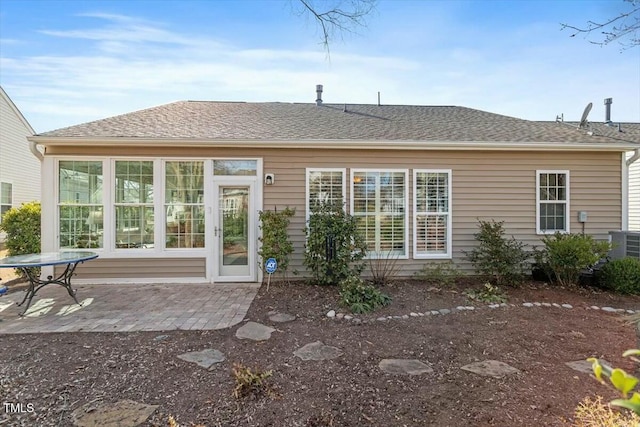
(234, 232)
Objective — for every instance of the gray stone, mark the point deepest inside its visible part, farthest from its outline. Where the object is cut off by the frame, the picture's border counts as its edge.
(537, 304)
(444, 311)
(527, 304)
(555, 304)
(282, 317)
(546, 304)
(491, 368)
(254, 331)
(404, 367)
(584, 366)
(161, 337)
(609, 309)
(381, 319)
(348, 317)
(567, 306)
(317, 351)
(630, 311)
(123, 413)
(494, 305)
(331, 313)
(339, 315)
(595, 307)
(461, 308)
(357, 321)
(205, 358)
(434, 312)
(470, 308)
(421, 314)
(412, 314)
(405, 316)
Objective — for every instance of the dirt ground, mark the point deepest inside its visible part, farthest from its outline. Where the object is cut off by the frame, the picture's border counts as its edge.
(59, 373)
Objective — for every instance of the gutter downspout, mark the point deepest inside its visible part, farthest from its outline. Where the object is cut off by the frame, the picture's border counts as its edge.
(633, 158)
(33, 146)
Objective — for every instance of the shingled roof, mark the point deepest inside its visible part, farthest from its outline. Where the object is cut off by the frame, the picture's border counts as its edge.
(275, 121)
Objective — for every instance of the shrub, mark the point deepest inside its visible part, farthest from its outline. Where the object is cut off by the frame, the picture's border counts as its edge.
(334, 249)
(276, 242)
(622, 381)
(22, 226)
(488, 294)
(566, 255)
(498, 259)
(360, 297)
(441, 273)
(384, 267)
(249, 381)
(621, 275)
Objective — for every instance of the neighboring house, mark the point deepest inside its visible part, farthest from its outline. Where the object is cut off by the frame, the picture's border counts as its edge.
(19, 168)
(634, 180)
(172, 193)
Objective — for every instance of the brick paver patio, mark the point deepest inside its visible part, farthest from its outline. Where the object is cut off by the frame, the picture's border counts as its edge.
(129, 307)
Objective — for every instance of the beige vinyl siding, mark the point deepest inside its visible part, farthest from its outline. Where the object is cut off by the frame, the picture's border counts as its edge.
(634, 195)
(485, 184)
(143, 268)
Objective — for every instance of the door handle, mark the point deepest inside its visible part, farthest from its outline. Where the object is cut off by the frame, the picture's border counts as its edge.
(215, 231)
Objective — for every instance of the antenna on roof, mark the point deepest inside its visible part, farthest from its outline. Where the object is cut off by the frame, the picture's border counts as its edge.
(583, 120)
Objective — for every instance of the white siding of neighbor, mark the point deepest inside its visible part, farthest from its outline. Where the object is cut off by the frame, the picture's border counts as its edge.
(634, 195)
(18, 166)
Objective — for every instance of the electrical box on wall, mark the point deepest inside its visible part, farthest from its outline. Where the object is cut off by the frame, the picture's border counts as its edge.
(582, 216)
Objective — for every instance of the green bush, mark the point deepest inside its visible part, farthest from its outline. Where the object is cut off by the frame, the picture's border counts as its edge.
(566, 255)
(621, 275)
(360, 297)
(276, 242)
(334, 249)
(498, 259)
(22, 226)
(439, 273)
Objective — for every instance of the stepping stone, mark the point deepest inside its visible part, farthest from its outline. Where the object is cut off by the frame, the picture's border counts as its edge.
(254, 331)
(123, 413)
(274, 316)
(490, 368)
(317, 351)
(584, 366)
(205, 358)
(404, 367)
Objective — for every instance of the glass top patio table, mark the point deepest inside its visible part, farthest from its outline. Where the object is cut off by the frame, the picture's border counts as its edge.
(28, 262)
(46, 259)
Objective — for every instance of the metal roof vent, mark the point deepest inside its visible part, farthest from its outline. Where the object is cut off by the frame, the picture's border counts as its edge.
(607, 113)
(318, 94)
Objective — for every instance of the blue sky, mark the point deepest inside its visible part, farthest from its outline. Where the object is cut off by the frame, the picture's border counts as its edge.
(69, 62)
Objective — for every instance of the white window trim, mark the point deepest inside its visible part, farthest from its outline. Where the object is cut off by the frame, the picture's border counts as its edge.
(406, 202)
(567, 229)
(308, 172)
(448, 254)
(12, 196)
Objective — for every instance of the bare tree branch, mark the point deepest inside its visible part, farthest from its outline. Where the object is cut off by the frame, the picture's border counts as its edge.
(623, 28)
(337, 16)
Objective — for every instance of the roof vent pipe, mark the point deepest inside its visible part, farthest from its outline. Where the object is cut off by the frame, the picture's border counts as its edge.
(607, 113)
(318, 94)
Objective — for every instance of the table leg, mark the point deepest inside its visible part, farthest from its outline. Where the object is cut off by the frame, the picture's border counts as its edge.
(35, 284)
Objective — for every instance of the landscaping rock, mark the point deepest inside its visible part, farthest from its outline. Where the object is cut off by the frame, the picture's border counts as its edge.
(123, 413)
(254, 331)
(584, 366)
(331, 313)
(317, 351)
(281, 317)
(491, 368)
(404, 367)
(205, 358)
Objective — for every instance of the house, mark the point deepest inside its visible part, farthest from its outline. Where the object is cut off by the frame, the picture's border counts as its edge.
(19, 168)
(634, 180)
(172, 193)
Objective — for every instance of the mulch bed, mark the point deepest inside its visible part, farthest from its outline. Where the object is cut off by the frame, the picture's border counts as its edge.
(58, 373)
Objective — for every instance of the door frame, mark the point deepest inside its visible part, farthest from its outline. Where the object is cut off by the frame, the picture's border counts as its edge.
(255, 205)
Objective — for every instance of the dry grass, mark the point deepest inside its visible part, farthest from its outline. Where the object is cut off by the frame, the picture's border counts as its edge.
(594, 413)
